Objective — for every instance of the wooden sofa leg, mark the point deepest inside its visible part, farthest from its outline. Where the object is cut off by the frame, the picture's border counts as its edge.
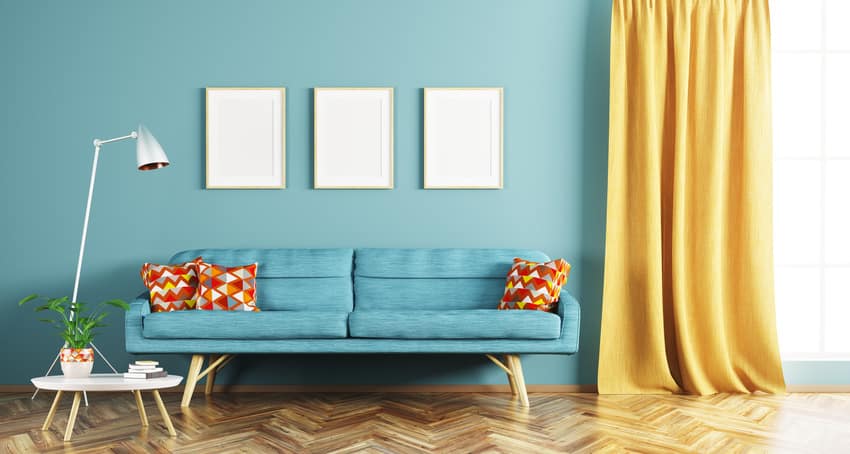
(511, 380)
(506, 365)
(516, 369)
(208, 387)
(192, 379)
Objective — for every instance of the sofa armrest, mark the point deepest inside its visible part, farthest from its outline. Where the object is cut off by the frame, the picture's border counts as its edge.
(570, 312)
(141, 304)
(133, 320)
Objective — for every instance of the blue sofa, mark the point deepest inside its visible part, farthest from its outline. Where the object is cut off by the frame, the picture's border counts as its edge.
(361, 301)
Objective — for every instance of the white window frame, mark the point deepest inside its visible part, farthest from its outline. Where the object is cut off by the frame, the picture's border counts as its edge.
(822, 266)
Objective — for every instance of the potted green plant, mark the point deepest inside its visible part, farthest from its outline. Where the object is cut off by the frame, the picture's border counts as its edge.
(76, 324)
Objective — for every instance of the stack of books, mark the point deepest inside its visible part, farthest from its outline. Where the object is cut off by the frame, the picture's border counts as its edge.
(144, 370)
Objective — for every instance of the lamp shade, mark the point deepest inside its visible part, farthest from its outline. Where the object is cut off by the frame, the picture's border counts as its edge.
(149, 153)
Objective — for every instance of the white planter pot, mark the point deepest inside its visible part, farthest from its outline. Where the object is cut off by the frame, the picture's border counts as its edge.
(77, 370)
(76, 362)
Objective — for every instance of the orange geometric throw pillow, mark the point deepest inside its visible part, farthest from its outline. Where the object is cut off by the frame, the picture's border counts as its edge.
(227, 289)
(172, 287)
(535, 286)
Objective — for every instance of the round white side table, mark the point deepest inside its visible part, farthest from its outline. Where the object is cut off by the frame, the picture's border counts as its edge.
(106, 382)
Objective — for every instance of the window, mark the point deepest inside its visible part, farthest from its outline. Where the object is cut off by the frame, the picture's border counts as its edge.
(811, 144)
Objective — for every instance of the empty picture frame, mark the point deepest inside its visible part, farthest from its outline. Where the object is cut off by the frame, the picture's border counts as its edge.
(463, 138)
(246, 138)
(353, 138)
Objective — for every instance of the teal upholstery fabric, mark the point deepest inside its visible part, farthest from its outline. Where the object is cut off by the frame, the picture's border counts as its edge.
(246, 325)
(433, 279)
(455, 324)
(312, 292)
(568, 309)
(291, 279)
(279, 262)
(399, 294)
(570, 313)
(440, 263)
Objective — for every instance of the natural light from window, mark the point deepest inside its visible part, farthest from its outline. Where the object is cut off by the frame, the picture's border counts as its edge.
(811, 145)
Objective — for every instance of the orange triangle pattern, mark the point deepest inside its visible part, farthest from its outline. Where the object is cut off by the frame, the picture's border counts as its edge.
(172, 287)
(535, 286)
(222, 288)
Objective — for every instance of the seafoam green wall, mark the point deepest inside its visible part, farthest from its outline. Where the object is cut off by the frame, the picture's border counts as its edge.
(73, 71)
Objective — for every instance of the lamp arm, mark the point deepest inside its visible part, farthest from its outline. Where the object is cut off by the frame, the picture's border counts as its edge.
(132, 135)
(97, 145)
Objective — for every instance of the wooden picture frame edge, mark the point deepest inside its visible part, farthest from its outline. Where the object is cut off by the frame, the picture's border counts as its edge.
(501, 91)
(391, 91)
(282, 90)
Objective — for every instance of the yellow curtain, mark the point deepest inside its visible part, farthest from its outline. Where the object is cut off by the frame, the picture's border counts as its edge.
(688, 299)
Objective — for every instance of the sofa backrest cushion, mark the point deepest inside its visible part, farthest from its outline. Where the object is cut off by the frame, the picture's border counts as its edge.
(433, 279)
(291, 279)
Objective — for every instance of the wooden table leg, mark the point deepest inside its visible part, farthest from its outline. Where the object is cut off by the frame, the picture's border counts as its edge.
(52, 412)
(141, 406)
(73, 418)
(164, 413)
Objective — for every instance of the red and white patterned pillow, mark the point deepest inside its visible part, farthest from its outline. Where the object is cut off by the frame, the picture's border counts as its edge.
(535, 286)
(222, 288)
(172, 287)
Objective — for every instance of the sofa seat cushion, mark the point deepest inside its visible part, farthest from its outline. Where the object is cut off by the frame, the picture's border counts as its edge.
(454, 324)
(246, 325)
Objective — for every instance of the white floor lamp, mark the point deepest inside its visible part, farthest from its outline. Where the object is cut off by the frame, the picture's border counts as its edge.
(149, 156)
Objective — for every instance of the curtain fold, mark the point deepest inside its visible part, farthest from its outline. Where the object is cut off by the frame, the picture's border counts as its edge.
(688, 301)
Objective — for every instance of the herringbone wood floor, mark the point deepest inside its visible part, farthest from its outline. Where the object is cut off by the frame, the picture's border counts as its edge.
(447, 422)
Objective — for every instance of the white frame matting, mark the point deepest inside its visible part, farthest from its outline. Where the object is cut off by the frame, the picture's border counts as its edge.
(353, 138)
(246, 138)
(463, 138)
